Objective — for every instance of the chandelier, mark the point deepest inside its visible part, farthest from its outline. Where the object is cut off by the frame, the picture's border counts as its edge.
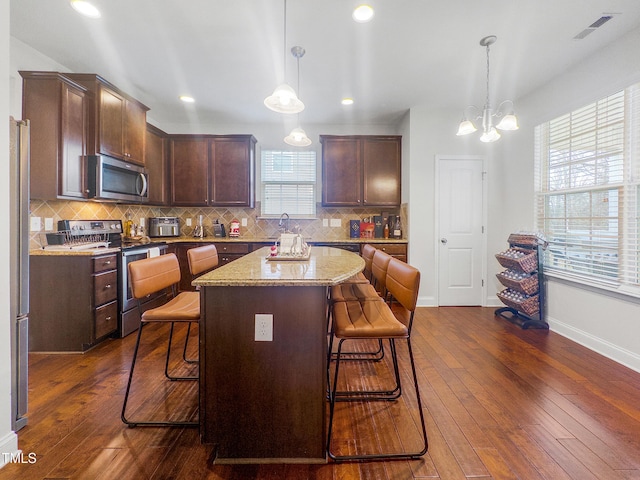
(284, 98)
(504, 114)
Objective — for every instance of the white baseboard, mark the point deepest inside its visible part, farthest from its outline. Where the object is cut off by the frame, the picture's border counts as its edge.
(609, 350)
(9, 446)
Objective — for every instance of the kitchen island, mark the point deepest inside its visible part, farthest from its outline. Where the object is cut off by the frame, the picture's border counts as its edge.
(263, 401)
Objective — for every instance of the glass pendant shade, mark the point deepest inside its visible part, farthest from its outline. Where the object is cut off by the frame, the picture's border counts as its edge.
(490, 135)
(297, 138)
(466, 127)
(508, 122)
(284, 100)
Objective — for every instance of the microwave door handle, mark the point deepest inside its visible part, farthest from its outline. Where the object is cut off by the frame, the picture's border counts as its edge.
(143, 191)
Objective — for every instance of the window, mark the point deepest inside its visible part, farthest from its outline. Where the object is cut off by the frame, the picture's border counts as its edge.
(587, 165)
(288, 183)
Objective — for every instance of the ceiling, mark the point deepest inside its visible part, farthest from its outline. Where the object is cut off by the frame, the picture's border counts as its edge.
(228, 54)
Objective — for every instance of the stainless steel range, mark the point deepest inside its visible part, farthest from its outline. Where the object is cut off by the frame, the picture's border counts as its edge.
(81, 234)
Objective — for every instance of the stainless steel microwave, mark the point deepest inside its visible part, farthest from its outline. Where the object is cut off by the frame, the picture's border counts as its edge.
(113, 179)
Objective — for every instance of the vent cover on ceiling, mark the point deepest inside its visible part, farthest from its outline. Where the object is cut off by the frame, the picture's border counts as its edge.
(597, 24)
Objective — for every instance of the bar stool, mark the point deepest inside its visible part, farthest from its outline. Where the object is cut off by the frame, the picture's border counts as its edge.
(372, 319)
(148, 276)
(201, 260)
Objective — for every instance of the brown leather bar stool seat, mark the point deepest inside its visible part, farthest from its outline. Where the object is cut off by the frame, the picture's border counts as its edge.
(373, 319)
(153, 275)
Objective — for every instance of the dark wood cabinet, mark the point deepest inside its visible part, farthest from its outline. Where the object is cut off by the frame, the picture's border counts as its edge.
(57, 109)
(213, 170)
(189, 170)
(397, 250)
(118, 121)
(361, 170)
(84, 308)
(156, 160)
(232, 171)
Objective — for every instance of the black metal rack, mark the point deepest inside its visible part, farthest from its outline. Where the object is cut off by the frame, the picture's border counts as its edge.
(528, 310)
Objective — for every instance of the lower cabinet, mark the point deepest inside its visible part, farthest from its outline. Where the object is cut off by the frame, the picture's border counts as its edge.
(227, 252)
(73, 301)
(397, 250)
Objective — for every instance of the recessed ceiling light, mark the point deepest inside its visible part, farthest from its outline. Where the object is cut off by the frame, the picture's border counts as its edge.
(347, 101)
(85, 8)
(187, 99)
(363, 14)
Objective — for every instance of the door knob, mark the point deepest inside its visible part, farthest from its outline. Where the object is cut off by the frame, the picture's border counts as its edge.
(443, 241)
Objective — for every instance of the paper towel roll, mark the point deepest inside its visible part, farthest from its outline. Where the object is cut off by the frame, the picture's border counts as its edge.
(153, 252)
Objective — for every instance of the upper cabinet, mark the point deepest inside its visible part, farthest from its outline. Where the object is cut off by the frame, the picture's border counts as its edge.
(118, 120)
(57, 109)
(361, 170)
(156, 159)
(189, 170)
(232, 181)
(213, 170)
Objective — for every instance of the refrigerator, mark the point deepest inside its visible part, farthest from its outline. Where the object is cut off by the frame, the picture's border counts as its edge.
(19, 268)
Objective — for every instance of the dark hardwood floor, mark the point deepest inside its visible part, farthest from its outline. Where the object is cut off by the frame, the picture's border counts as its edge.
(500, 402)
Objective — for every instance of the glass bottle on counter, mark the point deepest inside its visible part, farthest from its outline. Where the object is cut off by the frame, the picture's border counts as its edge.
(126, 228)
(397, 228)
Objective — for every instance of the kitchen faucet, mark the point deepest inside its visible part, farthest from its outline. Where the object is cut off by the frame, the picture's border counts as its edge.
(284, 223)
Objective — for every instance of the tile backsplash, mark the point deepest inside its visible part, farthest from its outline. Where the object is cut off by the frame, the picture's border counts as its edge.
(257, 227)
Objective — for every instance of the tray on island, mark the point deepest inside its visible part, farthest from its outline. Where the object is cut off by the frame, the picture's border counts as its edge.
(290, 257)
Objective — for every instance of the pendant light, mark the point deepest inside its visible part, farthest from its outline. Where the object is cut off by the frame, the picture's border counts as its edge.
(504, 112)
(284, 98)
(298, 137)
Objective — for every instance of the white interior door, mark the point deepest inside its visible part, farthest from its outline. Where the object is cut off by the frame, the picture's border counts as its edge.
(460, 230)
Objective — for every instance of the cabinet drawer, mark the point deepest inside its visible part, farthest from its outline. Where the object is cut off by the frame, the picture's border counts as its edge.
(225, 258)
(392, 248)
(232, 248)
(102, 264)
(106, 319)
(105, 287)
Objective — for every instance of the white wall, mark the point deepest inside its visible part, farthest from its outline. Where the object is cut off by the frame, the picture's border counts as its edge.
(431, 133)
(607, 324)
(8, 439)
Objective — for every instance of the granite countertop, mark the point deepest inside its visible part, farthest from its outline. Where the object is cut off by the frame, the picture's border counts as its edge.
(171, 240)
(326, 266)
(75, 252)
(272, 240)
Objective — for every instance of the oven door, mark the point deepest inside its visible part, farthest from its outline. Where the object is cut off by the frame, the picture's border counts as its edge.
(129, 317)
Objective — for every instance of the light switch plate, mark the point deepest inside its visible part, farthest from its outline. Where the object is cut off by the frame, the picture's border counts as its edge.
(325, 222)
(336, 222)
(36, 224)
(48, 224)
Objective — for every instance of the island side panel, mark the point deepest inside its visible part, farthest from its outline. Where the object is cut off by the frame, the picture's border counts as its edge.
(264, 400)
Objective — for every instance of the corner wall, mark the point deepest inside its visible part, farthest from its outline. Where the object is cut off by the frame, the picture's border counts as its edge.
(603, 322)
(8, 438)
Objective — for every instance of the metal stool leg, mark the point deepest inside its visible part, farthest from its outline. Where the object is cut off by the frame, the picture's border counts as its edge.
(166, 365)
(131, 423)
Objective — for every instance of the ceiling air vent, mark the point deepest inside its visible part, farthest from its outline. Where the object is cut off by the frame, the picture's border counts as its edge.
(597, 24)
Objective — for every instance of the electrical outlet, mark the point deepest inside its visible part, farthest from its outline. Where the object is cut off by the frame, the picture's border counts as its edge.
(264, 327)
(142, 221)
(325, 222)
(188, 222)
(244, 222)
(48, 224)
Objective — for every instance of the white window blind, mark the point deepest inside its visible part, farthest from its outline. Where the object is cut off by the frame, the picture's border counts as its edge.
(288, 183)
(587, 191)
